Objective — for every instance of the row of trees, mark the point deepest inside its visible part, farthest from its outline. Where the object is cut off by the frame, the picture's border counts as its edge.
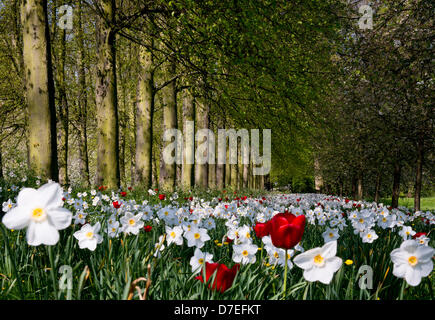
(383, 113)
(350, 107)
(91, 103)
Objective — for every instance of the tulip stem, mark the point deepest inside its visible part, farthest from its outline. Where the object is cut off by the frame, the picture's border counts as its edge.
(285, 275)
(14, 263)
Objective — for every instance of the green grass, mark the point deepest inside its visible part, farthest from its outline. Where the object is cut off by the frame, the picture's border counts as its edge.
(426, 203)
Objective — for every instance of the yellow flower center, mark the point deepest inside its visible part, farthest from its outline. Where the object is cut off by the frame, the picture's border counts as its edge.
(331, 235)
(113, 229)
(245, 253)
(384, 219)
(276, 255)
(369, 235)
(412, 260)
(38, 214)
(197, 236)
(201, 261)
(248, 235)
(348, 262)
(131, 222)
(80, 216)
(407, 233)
(361, 220)
(318, 260)
(173, 234)
(10, 205)
(166, 213)
(89, 234)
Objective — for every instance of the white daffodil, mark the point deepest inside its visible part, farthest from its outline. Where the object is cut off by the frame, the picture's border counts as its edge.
(41, 212)
(131, 223)
(244, 253)
(196, 237)
(319, 264)
(199, 259)
(80, 217)
(159, 247)
(412, 261)
(368, 236)
(7, 205)
(330, 235)
(113, 229)
(88, 236)
(174, 235)
(406, 232)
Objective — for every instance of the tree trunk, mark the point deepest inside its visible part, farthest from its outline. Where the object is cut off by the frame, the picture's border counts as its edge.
(377, 186)
(39, 89)
(82, 101)
(63, 114)
(212, 167)
(201, 170)
(396, 184)
(189, 145)
(106, 100)
(360, 186)
(418, 173)
(227, 169)
(144, 119)
(169, 94)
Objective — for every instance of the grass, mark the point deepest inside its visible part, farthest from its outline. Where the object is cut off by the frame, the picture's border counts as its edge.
(426, 203)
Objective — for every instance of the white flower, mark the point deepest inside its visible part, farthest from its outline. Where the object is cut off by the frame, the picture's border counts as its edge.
(406, 232)
(412, 261)
(131, 223)
(41, 211)
(196, 237)
(151, 192)
(423, 240)
(159, 247)
(319, 264)
(198, 260)
(330, 235)
(80, 217)
(174, 235)
(244, 253)
(7, 205)
(113, 229)
(369, 236)
(88, 236)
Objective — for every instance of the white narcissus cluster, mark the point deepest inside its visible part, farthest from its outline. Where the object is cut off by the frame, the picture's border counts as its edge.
(41, 212)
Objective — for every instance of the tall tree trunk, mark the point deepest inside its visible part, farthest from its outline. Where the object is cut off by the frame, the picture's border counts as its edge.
(144, 119)
(189, 145)
(39, 89)
(227, 169)
(360, 186)
(106, 100)
(418, 172)
(168, 170)
(201, 170)
(63, 113)
(82, 100)
(396, 184)
(377, 186)
(212, 166)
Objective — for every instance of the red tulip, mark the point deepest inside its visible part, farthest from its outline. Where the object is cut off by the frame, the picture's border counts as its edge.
(286, 230)
(418, 235)
(123, 193)
(116, 204)
(224, 277)
(262, 229)
(148, 228)
(162, 196)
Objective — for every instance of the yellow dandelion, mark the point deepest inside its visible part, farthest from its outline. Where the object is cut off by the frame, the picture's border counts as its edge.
(348, 262)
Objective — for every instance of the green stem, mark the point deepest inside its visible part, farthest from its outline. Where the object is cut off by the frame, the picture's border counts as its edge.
(52, 268)
(14, 265)
(285, 275)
